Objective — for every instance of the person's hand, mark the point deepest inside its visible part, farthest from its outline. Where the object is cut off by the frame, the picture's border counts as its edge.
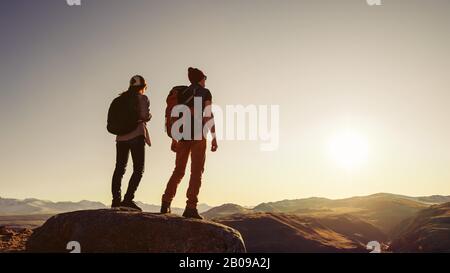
(174, 145)
(214, 145)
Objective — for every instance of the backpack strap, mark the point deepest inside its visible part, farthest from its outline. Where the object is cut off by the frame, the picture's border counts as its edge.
(194, 92)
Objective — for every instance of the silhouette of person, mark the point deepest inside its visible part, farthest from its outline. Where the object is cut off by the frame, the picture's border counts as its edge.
(194, 147)
(134, 143)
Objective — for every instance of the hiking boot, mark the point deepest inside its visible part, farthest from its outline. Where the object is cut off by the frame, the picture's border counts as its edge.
(116, 203)
(165, 208)
(192, 213)
(131, 205)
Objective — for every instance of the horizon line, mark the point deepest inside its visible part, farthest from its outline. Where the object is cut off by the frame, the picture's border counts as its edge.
(205, 203)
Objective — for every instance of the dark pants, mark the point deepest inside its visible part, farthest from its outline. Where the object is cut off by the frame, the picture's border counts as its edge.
(137, 148)
(197, 150)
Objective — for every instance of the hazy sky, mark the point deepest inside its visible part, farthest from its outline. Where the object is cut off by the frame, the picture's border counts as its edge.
(331, 66)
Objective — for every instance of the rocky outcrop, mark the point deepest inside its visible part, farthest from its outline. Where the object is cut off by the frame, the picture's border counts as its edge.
(13, 239)
(124, 231)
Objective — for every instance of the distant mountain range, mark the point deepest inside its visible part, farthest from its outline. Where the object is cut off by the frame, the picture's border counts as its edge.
(382, 210)
(36, 207)
(399, 223)
(33, 206)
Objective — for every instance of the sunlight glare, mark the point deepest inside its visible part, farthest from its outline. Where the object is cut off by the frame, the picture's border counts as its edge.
(349, 150)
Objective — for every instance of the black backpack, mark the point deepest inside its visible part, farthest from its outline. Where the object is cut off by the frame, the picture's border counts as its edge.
(123, 115)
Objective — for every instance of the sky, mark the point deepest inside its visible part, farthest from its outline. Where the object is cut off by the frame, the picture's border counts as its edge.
(363, 94)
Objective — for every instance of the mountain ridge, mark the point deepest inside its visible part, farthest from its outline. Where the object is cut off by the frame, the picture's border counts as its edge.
(432, 199)
(383, 210)
(34, 206)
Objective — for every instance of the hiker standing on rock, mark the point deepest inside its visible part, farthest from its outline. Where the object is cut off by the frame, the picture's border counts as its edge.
(127, 118)
(189, 139)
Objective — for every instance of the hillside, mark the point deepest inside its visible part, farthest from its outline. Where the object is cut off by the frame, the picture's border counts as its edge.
(290, 233)
(384, 211)
(428, 231)
(225, 210)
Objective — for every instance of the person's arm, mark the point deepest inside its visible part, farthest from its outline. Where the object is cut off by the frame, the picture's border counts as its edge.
(174, 145)
(144, 113)
(209, 117)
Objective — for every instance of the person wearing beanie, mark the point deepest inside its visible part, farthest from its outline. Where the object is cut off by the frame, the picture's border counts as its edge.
(194, 147)
(134, 143)
(195, 75)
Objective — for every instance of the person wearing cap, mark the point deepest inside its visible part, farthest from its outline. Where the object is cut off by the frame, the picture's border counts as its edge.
(134, 143)
(194, 147)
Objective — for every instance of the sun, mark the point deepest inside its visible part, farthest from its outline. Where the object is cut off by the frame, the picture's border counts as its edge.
(349, 150)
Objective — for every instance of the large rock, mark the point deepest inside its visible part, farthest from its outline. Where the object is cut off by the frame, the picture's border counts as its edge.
(106, 231)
